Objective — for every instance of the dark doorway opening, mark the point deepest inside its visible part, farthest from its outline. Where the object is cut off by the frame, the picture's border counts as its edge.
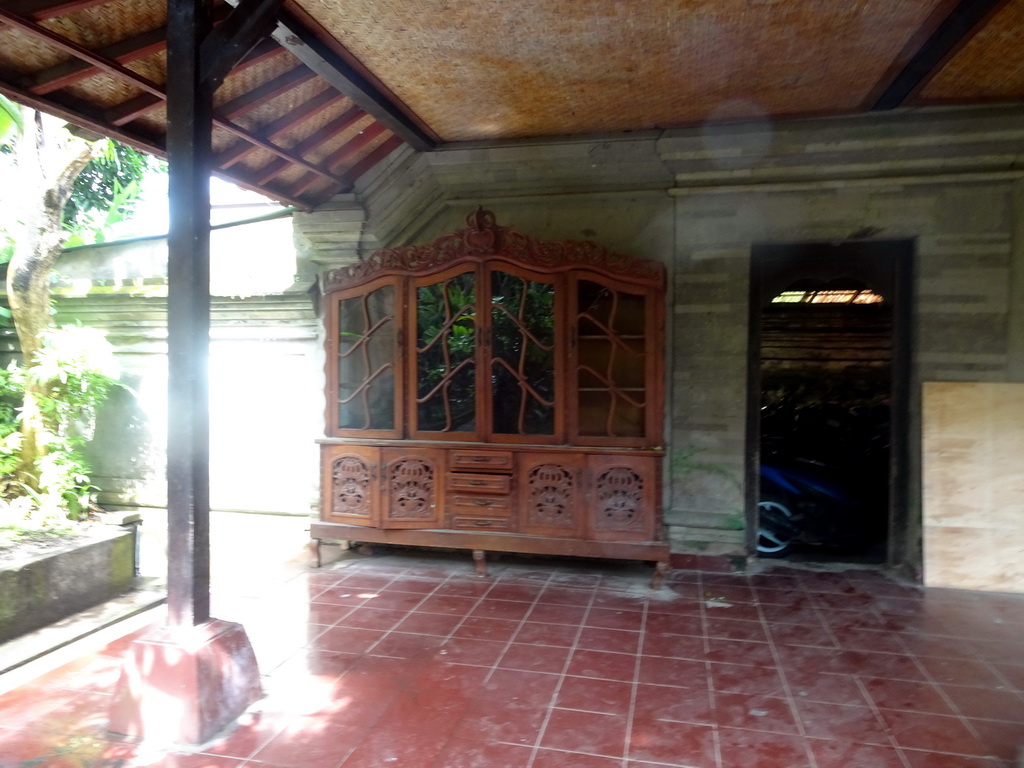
(827, 401)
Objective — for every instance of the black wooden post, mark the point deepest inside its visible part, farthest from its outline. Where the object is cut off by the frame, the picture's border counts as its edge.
(187, 680)
(189, 127)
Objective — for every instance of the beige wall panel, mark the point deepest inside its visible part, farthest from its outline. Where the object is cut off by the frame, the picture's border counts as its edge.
(973, 449)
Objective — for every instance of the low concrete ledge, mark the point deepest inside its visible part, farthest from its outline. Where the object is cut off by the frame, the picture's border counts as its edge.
(46, 588)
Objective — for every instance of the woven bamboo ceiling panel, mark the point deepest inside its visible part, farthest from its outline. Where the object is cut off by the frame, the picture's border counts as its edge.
(498, 69)
(988, 67)
(340, 84)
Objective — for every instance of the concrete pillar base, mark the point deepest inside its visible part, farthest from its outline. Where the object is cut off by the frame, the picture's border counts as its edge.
(185, 684)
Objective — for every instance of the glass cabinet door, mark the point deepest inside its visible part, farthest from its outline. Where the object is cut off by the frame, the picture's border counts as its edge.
(444, 362)
(612, 363)
(522, 357)
(365, 370)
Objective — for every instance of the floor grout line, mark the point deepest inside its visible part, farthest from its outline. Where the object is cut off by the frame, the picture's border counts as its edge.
(561, 679)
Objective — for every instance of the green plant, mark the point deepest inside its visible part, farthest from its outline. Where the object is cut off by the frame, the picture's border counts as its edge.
(74, 372)
(11, 123)
(106, 192)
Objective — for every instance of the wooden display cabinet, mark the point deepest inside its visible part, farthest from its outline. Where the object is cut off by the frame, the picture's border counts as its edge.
(494, 392)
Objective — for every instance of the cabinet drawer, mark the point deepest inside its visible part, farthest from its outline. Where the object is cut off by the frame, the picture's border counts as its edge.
(464, 481)
(480, 460)
(485, 523)
(464, 503)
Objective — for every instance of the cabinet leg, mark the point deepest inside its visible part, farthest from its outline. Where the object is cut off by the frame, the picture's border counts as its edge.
(660, 569)
(314, 549)
(479, 559)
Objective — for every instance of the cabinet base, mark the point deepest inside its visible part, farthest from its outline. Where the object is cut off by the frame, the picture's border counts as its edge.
(479, 543)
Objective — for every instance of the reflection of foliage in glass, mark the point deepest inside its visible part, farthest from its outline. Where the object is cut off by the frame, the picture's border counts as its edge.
(522, 369)
(446, 349)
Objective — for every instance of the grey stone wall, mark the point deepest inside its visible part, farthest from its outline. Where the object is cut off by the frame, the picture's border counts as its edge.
(952, 181)
(266, 368)
(700, 199)
(266, 401)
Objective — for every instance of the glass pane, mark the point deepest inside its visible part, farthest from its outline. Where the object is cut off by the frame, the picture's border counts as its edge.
(366, 360)
(522, 360)
(445, 355)
(611, 363)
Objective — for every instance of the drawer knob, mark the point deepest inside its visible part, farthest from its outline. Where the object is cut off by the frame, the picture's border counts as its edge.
(482, 502)
(482, 523)
(477, 482)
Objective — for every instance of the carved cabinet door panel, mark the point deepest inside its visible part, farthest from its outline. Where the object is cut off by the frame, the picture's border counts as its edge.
(443, 366)
(365, 378)
(614, 373)
(551, 494)
(349, 484)
(623, 497)
(412, 482)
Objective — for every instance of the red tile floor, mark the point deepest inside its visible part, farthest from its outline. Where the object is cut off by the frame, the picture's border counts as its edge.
(411, 661)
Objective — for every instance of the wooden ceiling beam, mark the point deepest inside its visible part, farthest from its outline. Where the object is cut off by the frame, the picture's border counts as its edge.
(385, 148)
(304, 112)
(366, 163)
(269, 146)
(311, 142)
(246, 180)
(265, 92)
(84, 114)
(151, 88)
(38, 10)
(311, 50)
(264, 50)
(81, 113)
(73, 70)
(133, 108)
(953, 31)
(249, 22)
(236, 153)
(307, 180)
(346, 151)
(92, 57)
(338, 157)
(124, 51)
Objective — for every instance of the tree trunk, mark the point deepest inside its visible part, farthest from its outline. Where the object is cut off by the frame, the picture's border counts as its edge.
(53, 166)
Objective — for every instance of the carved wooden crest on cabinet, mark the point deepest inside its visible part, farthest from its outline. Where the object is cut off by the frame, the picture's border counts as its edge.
(483, 237)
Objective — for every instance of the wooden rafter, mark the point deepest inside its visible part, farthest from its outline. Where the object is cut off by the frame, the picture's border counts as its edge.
(123, 51)
(338, 157)
(133, 109)
(38, 10)
(247, 24)
(153, 92)
(69, 72)
(297, 116)
(305, 111)
(261, 94)
(310, 50)
(93, 58)
(345, 153)
(367, 162)
(314, 140)
(953, 30)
